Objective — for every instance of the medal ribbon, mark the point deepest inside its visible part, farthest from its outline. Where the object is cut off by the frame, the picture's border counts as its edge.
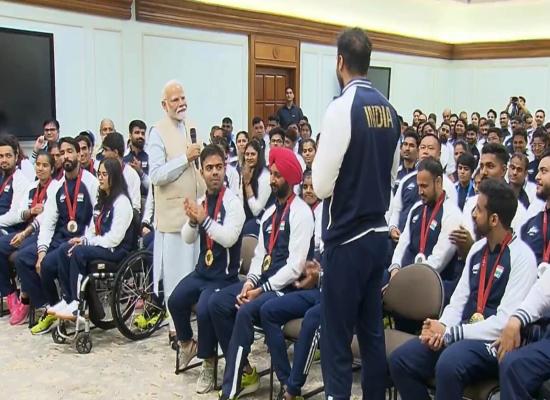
(275, 229)
(98, 222)
(71, 205)
(484, 291)
(425, 228)
(219, 201)
(545, 245)
(40, 193)
(6, 181)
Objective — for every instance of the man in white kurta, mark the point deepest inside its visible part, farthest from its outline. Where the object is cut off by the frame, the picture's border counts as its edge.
(174, 176)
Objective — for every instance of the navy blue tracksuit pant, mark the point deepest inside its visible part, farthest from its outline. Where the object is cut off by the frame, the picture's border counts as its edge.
(454, 367)
(41, 289)
(72, 269)
(6, 286)
(523, 371)
(235, 331)
(351, 300)
(191, 290)
(277, 312)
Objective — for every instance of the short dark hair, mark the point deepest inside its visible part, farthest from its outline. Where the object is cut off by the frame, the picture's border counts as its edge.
(89, 135)
(429, 123)
(115, 141)
(292, 134)
(464, 144)
(227, 120)
(523, 158)
(501, 200)
(476, 114)
(10, 140)
(522, 98)
(432, 116)
(541, 134)
(498, 150)
(418, 110)
(471, 127)
(51, 121)
(431, 165)
(410, 133)
(277, 131)
(211, 150)
(289, 87)
(467, 160)
(274, 117)
(221, 142)
(491, 111)
(71, 141)
(84, 138)
(51, 161)
(520, 132)
(355, 47)
(498, 131)
(445, 123)
(505, 112)
(256, 120)
(137, 123)
(540, 110)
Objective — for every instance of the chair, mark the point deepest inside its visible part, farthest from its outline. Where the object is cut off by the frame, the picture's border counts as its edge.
(417, 293)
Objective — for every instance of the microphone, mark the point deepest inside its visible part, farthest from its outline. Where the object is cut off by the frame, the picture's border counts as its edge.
(193, 134)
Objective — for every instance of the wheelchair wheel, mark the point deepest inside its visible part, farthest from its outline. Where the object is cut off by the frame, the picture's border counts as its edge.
(136, 309)
(56, 334)
(104, 292)
(83, 343)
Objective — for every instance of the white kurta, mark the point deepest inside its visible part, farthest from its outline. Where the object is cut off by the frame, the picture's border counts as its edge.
(173, 259)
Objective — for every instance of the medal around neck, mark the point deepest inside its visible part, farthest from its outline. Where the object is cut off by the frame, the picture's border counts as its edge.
(476, 317)
(267, 263)
(420, 258)
(72, 226)
(209, 258)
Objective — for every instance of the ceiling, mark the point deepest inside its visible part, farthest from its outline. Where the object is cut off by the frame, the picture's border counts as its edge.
(450, 21)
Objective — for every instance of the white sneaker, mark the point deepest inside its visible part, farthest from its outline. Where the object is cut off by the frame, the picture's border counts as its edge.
(58, 307)
(69, 311)
(205, 383)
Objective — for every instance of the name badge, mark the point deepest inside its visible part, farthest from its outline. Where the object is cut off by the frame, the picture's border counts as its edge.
(433, 225)
(282, 226)
(499, 271)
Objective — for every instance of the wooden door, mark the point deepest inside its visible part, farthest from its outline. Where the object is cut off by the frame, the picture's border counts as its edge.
(274, 64)
(269, 96)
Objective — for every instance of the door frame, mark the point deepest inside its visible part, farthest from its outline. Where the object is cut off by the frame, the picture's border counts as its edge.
(276, 52)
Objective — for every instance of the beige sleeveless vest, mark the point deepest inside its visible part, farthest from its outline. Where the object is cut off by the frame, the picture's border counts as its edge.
(169, 214)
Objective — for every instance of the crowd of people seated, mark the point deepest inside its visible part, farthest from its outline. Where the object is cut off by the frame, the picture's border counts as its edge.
(469, 199)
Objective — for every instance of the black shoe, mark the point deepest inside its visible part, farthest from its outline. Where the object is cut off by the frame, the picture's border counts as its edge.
(281, 394)
(173, 341)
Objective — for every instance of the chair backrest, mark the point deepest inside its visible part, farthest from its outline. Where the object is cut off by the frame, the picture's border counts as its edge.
(248, 246)
(416, 293)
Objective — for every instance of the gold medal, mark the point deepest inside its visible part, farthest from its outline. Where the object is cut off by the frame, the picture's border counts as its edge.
(209, 258)
(267, 263)
(476, 317)
(72, 226)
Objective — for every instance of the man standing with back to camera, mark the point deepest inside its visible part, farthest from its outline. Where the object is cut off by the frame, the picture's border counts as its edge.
(353, 169)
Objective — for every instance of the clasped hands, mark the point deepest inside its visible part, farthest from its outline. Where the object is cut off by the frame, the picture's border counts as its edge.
(432, 334)
(194, 212)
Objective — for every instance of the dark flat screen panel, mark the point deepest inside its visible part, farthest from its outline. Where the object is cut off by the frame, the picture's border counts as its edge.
(27, 82)
(380, 78)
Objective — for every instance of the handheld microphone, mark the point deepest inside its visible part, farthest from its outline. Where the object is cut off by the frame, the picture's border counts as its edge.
(193, 134)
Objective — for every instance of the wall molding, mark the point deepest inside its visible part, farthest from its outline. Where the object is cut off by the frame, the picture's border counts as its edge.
(194, 14)
(121, 9)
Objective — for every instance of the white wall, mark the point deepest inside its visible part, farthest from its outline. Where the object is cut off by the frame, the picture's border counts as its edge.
(110, 68)
(416, 82)
(431, 84)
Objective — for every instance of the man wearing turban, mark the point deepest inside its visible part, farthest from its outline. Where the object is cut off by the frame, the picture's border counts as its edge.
(279, 260)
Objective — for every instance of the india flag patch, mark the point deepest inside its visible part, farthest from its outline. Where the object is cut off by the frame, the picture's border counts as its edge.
(499, 271)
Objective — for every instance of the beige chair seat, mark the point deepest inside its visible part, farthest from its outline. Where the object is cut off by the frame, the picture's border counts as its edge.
(394, 339)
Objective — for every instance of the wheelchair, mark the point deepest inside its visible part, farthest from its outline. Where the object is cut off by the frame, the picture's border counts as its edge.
(114, 295)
